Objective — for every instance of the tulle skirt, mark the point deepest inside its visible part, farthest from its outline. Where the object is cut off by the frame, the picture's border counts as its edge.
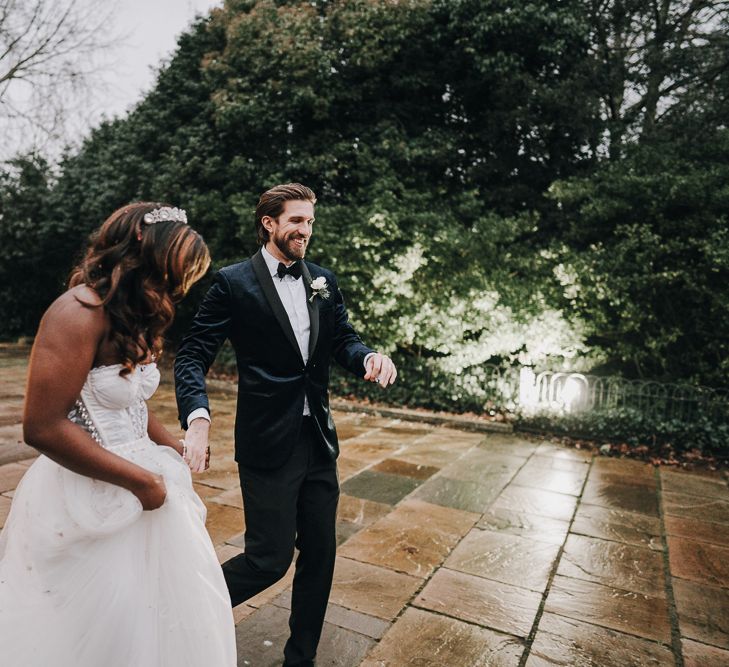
(89, 579)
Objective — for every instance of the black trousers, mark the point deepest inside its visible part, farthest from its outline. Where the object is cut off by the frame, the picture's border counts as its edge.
(294, 505)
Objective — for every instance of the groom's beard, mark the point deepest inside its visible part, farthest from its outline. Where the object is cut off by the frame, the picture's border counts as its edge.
(289, 248)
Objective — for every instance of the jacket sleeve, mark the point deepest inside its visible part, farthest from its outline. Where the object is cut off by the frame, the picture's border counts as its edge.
(209, 329)
(347, 347)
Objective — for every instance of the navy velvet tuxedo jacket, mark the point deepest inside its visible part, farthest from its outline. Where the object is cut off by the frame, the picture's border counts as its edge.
(243, 305)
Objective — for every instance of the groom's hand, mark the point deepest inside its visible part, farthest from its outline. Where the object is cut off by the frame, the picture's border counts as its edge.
(196, 443)
(380, 369)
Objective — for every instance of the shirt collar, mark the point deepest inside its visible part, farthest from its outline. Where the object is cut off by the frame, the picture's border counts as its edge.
(271, 261)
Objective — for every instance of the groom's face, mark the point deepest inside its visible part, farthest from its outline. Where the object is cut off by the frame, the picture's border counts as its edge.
(291, 232)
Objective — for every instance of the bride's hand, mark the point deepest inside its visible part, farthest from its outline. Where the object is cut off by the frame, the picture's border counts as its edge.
(197, 450)
(152, 493)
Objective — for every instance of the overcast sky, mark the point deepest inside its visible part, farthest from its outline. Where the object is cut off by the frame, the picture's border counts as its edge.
(142, 35)
(151, 29)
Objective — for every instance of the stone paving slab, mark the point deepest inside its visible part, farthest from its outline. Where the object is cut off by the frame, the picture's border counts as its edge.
(696, 508)
(624, 566)
(371, 589)
(701, 655)
(500, 606)
(462, 549)
(10, 475)
(366, 625)
(482, 466)
(610, 607)
(510, 559)
(461, 494)
(550, 479)
(536, 501)
(618, 526)
(423, 638)
(568, 642)
(381, 487)
(13, 370)
(414, 538)
(396, 467)
(262, 635)
(349, 467)
(703, 612)
(534, 527)
(4, 509)
(631, 496)
(699, 561)
(678, 482)
(703, 531)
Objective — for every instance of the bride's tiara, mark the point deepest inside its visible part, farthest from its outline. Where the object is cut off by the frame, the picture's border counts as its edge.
(165, 213)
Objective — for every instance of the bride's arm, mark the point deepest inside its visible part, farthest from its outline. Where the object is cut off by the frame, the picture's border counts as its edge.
(159, 434)
(62, 355)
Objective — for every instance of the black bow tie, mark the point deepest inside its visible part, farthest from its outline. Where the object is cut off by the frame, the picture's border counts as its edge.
(293, 270)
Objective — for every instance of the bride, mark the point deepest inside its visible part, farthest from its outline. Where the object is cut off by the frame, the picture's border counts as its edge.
(104, 559)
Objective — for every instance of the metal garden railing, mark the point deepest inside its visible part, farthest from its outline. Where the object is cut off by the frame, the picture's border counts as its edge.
(523, 390)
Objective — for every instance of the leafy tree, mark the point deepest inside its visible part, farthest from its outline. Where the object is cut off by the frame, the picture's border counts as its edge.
(440, 96)
(30, 254)
(399, 118)
(646, 262)
(536, 183)
(641, 238)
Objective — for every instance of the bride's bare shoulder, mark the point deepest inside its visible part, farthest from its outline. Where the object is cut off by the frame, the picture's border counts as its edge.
(85, 295)
(77, 306)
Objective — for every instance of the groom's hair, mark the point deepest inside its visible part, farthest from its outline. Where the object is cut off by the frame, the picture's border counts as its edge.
(272, 203)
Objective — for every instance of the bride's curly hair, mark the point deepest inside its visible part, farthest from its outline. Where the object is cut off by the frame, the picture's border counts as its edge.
(140, 271)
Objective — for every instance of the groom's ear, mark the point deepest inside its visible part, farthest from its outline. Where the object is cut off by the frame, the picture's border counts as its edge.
(267, 222)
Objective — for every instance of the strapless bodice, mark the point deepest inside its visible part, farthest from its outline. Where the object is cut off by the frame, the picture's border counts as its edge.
(113, 407)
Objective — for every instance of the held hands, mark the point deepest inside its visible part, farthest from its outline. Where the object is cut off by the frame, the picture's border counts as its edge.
(381, 370)
(196, 450)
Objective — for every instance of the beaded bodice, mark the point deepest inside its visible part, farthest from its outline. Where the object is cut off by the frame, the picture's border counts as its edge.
(112, 407)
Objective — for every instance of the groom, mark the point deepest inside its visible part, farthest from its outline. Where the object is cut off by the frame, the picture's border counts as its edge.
(285, 319)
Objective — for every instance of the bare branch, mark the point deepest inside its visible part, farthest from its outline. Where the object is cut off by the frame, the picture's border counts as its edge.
(50, 52)
(21, 33)
(651, 56)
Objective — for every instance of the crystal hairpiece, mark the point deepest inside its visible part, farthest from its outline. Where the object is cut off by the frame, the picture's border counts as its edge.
(164, 214)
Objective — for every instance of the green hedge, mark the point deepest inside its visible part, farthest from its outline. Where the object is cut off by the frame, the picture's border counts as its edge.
(706, 433)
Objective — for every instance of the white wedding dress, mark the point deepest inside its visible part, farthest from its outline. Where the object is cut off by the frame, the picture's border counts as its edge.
(89, 579)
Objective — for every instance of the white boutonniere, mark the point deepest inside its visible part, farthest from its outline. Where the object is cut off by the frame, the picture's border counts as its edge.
(319, 288)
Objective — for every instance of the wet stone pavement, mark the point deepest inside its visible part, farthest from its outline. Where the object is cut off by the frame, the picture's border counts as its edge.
(460, 549)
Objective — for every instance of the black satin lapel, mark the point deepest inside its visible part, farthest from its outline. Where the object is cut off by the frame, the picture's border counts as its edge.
(313, 306)
(269, 291)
